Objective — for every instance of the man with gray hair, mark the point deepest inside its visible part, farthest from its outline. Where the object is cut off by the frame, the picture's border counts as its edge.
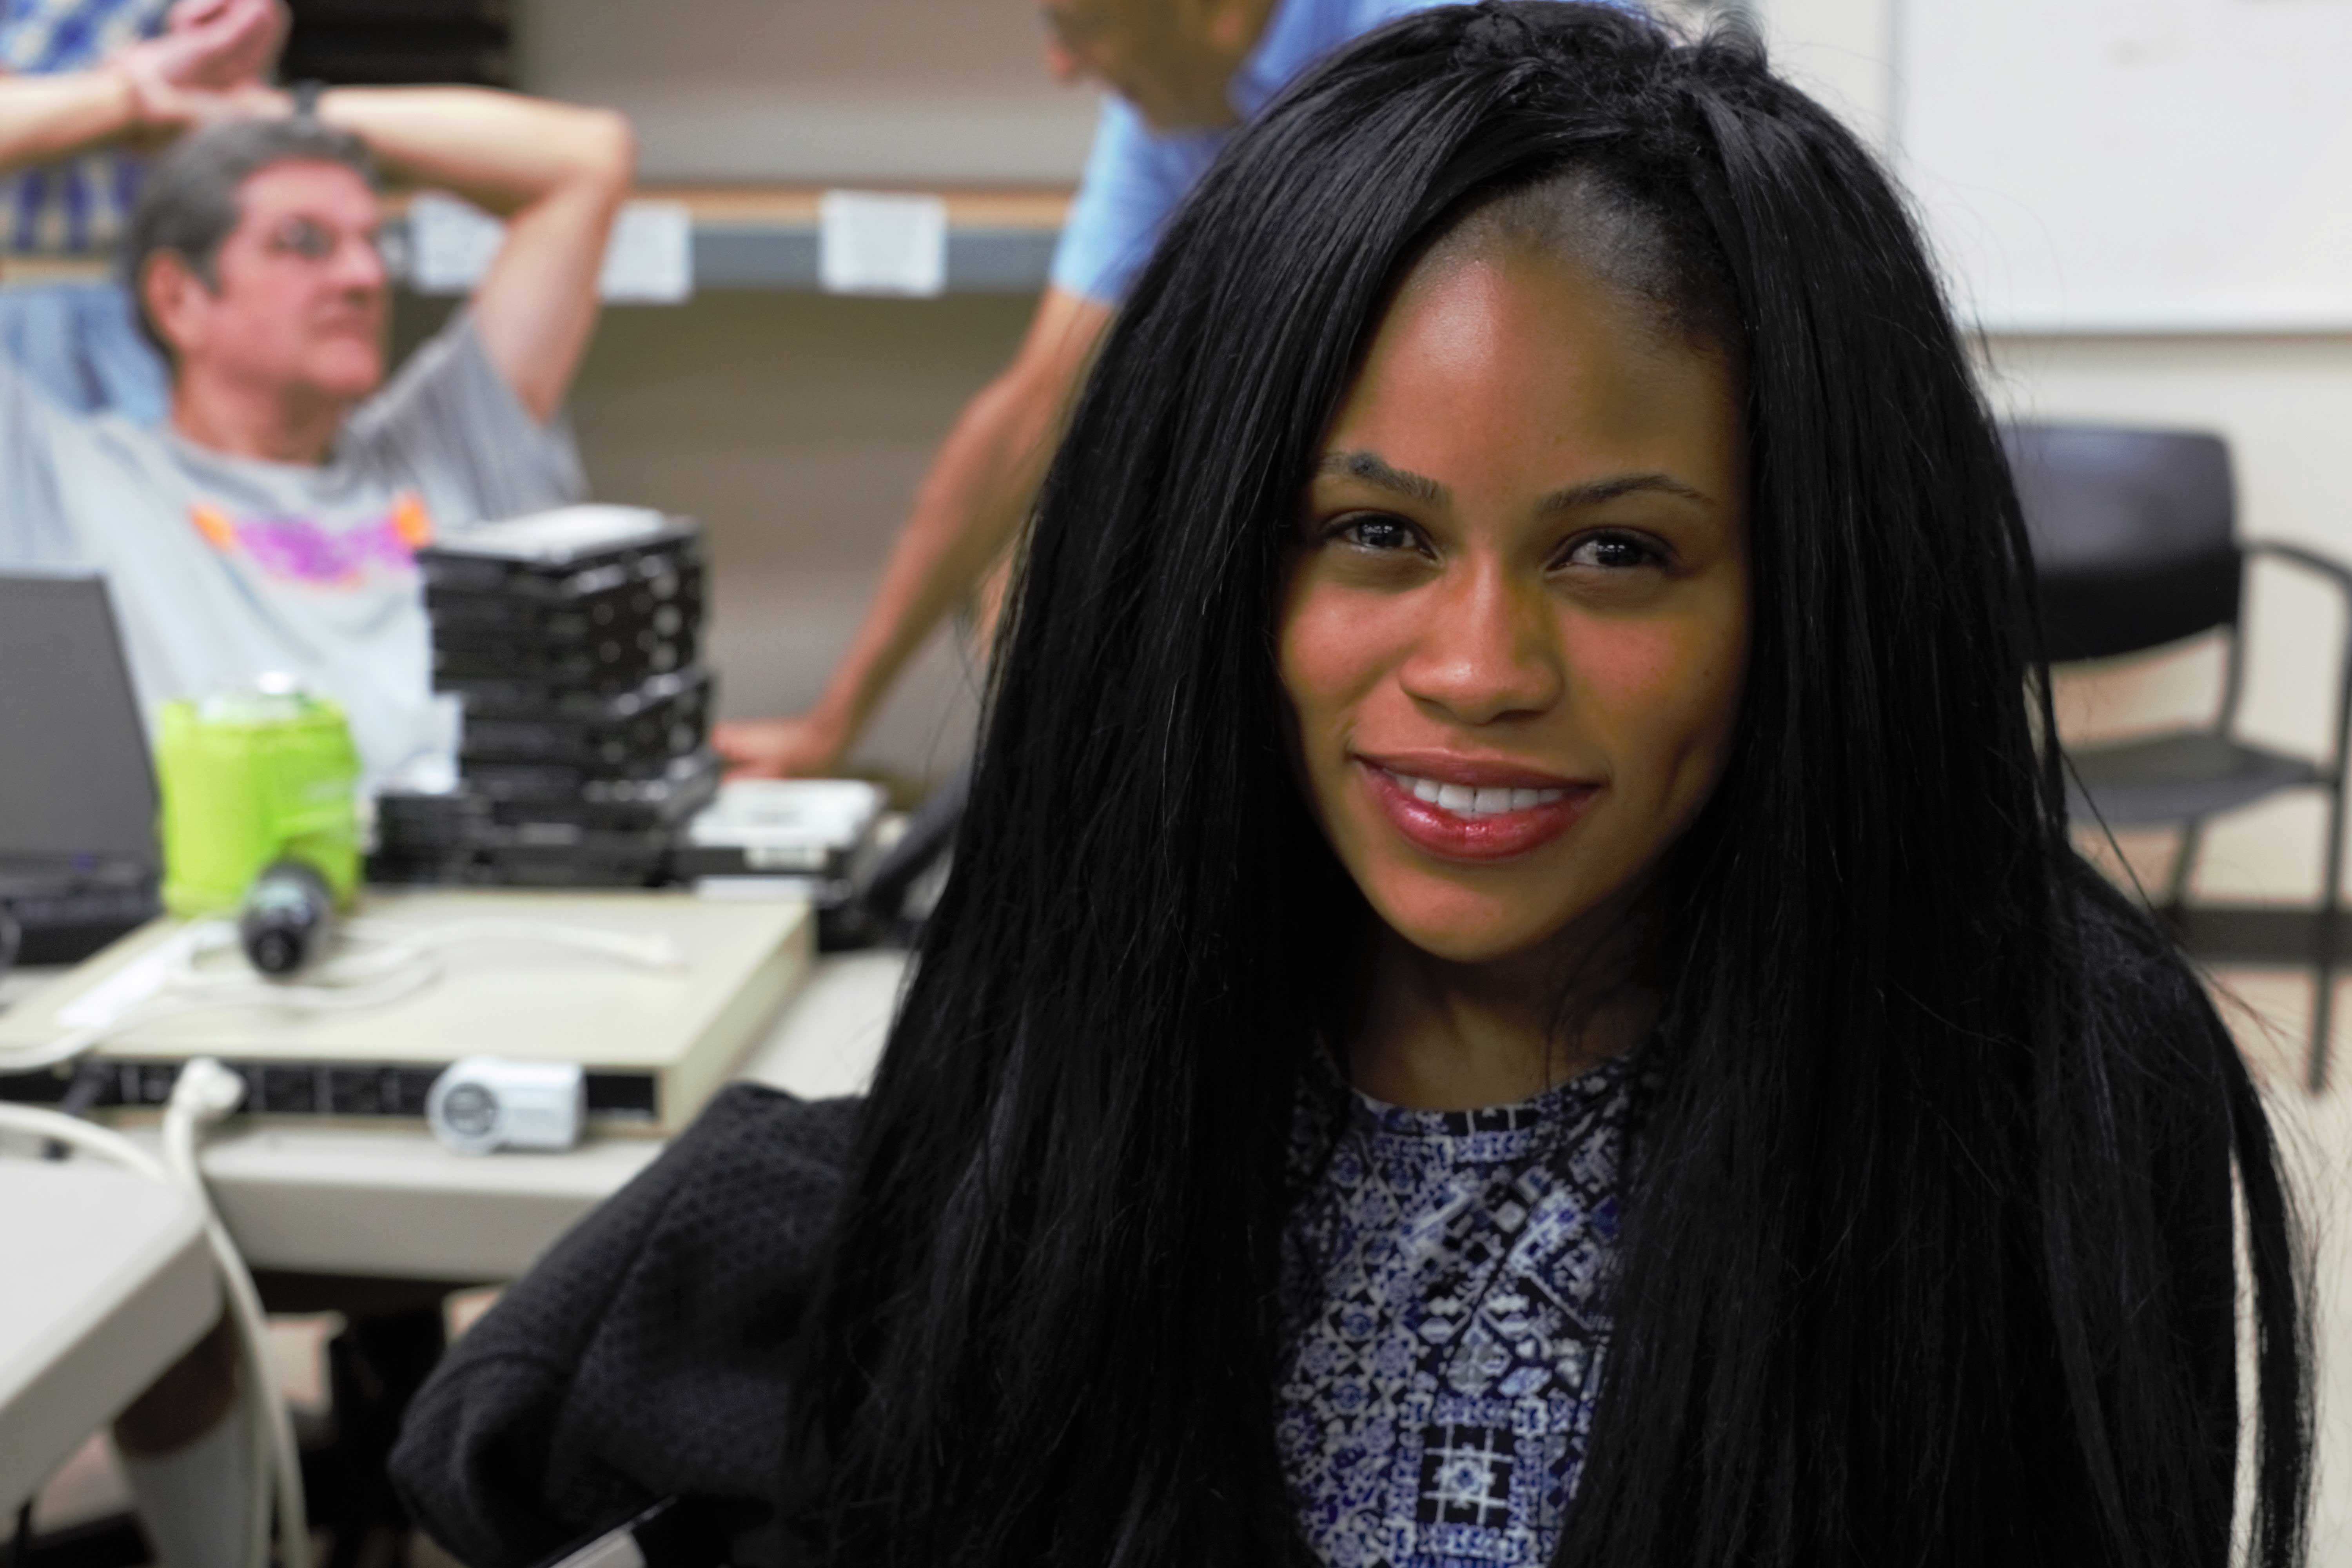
(269, 525)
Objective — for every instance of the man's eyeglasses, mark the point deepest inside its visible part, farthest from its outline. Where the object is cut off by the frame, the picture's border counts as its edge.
(313, 241)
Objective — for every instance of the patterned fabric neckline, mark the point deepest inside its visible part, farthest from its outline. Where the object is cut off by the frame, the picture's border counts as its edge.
(1492, 1131)
(1445, 1276)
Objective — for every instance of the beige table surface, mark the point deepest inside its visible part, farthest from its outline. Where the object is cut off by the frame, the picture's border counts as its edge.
(104, 1281)
(393, 1203)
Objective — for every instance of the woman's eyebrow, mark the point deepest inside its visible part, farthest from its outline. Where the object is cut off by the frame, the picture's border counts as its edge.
(1368, 468)
(1374, 470)
(1592, 492)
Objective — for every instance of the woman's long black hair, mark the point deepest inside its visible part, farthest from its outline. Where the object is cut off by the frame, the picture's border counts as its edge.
(1927, 1259)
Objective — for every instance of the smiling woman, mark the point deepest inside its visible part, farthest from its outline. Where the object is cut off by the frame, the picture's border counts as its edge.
(1514, 987)
(1512, 639)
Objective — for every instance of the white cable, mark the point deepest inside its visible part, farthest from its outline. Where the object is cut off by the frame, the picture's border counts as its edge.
(56, 1053)
(56, 1127)
(197, 993)
(652, 951)
(384, 965)
(204, 1093)
(350, 982)
(274, 1452)
(381, 964)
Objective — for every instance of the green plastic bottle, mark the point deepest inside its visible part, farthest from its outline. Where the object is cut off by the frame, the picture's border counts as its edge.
(250, 778)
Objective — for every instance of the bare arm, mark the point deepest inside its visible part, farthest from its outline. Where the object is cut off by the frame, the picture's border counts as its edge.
(558, 172)
(970, 506)
(203, 67)
(46, 117)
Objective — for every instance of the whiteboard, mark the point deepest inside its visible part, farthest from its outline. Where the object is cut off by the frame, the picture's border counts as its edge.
(2133, 165)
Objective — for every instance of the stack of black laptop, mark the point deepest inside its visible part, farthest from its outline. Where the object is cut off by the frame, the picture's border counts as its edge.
(572, 640)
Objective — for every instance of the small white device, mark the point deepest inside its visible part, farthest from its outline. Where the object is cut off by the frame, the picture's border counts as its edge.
(483, 1104)
(767, 827)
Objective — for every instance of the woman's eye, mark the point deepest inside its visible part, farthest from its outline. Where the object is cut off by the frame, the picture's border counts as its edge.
(1379, 534)
(1611, 553)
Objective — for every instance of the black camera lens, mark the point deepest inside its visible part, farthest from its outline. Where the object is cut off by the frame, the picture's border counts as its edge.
(285, 923)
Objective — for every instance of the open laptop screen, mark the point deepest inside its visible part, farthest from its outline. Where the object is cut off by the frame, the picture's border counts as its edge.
(77, 788)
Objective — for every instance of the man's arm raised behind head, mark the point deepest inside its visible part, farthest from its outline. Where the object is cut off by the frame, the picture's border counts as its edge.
(45, 117)
(206, 66)
(557, 172)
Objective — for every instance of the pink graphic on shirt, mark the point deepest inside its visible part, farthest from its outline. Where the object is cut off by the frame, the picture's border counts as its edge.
(301, 550)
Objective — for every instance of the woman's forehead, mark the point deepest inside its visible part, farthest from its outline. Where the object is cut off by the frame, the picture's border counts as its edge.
(1661, 263)
(1487, 351)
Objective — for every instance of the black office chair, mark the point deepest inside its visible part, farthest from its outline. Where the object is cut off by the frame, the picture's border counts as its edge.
(2134, 541)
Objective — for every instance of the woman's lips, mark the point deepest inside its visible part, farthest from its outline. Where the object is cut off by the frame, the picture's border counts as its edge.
(1485, 822)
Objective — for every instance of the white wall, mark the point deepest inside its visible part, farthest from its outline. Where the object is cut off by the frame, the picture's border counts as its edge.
(2284, 403)
(894, 92)
(1838, 50)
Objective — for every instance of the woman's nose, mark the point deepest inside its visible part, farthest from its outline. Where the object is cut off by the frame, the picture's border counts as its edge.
(1486, 650)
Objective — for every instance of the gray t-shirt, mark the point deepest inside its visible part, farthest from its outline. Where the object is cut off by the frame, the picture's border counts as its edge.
(223, 568)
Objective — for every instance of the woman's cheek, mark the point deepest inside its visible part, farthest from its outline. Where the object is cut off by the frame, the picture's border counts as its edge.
(1332, 652)
(1628, 666)
(1660, 688)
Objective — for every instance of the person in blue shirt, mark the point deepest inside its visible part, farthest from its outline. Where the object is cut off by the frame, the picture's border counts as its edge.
(79, 342)
(1186, 73)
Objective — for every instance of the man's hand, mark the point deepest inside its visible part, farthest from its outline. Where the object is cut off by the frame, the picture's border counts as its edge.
(801, 748)
(207, 65)
(240, 39)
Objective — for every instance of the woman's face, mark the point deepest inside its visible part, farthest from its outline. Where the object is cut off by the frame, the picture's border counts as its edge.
(1515, 629)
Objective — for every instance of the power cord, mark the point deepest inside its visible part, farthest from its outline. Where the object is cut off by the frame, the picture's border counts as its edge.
(382, 964)
(198, 970)
(206, 1091)
(87, 1087)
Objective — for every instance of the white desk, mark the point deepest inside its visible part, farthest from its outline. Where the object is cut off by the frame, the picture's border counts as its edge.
(104, 1282)
(394, 1203)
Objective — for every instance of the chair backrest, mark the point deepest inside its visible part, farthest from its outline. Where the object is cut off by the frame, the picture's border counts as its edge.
(2133, 533)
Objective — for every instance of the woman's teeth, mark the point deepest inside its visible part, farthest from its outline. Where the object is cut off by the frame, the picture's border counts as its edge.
(1462, 800)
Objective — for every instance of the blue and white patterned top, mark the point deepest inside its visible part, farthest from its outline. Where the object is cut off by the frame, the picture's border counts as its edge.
(1446, 1284)
(80, 203)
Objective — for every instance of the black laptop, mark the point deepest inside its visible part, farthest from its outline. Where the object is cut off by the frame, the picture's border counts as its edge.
(78, 861)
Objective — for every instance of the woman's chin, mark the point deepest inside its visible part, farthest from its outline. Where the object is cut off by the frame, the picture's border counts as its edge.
(1471, 930)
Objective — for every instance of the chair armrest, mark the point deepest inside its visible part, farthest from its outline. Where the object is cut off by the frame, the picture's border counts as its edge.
(2309, 560)
(2338, 573)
